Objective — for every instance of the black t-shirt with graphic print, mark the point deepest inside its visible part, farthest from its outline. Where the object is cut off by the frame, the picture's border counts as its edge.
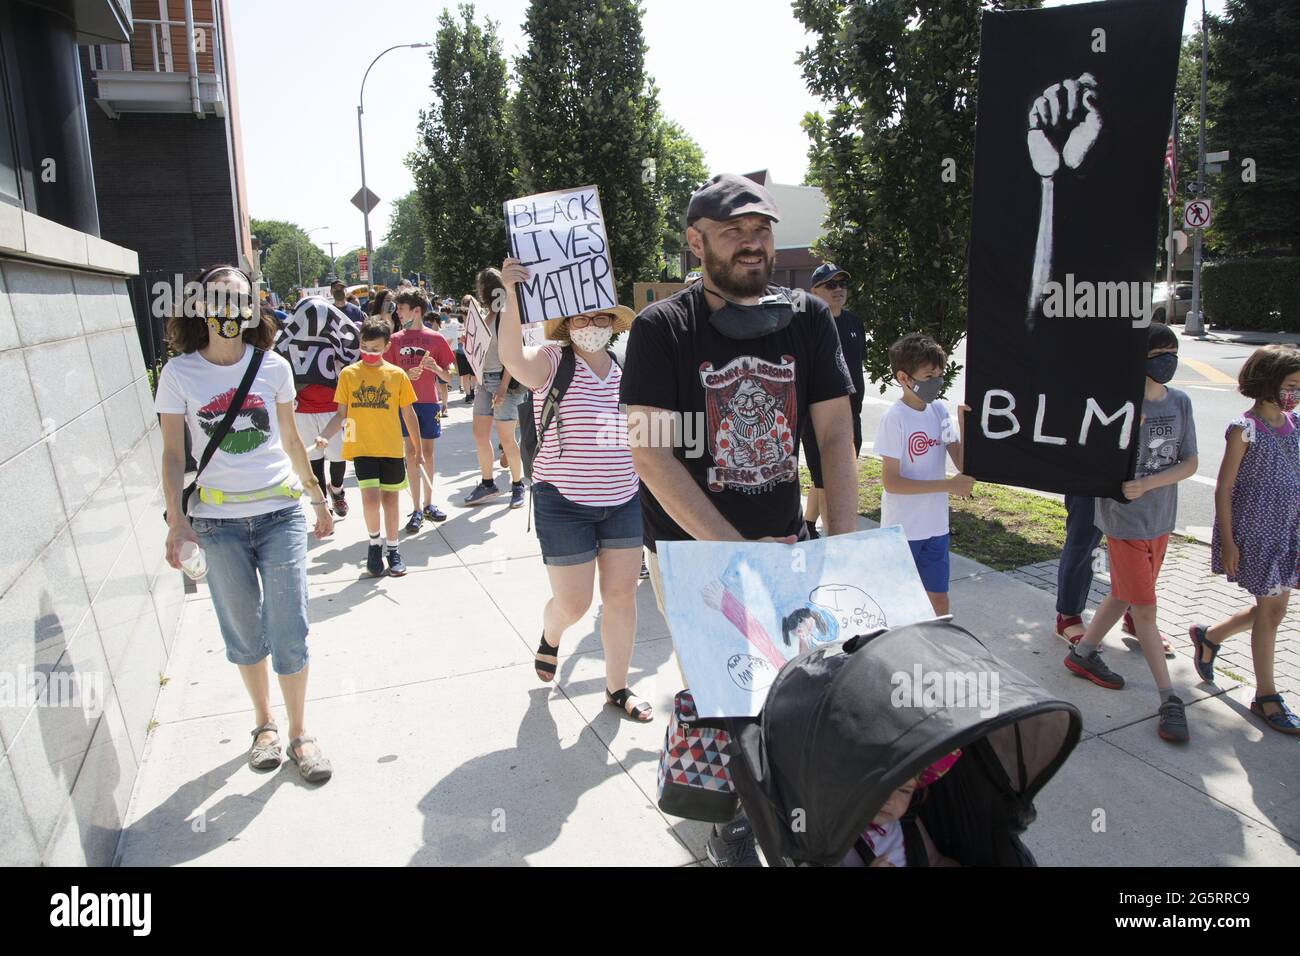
(749, 397)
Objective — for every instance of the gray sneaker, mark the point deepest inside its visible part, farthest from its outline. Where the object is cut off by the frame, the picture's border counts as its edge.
(1094, 669)
(1173, 721)
(481, 493)
(732, 844)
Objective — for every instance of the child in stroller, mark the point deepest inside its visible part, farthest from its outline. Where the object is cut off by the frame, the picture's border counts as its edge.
(896, 836)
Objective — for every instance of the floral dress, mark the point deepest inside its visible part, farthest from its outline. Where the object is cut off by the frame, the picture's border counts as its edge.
(1265, 507)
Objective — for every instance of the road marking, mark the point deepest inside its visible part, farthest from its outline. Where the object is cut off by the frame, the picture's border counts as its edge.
(1201, 479)
(1209, 372)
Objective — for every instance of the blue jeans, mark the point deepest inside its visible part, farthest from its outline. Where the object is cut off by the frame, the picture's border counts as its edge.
(266, 617)
(1082, 538)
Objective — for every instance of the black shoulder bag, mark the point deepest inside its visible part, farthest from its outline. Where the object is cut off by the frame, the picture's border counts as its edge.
(223, 426)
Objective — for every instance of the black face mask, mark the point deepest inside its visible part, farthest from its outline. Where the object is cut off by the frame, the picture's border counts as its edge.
(736, 321)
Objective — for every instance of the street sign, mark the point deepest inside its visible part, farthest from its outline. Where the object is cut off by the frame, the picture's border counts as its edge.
(1179, 240)
(1197, 214)
(1193, 188)
(1220, 157)
(1214, 167)
(363, 264)
(365, 200)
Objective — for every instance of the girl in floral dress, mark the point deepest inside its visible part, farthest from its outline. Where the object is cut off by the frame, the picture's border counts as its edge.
(1257, 522)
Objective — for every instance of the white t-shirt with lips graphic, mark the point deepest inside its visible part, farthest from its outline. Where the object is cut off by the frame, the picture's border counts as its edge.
(251, 456)
(919, 440)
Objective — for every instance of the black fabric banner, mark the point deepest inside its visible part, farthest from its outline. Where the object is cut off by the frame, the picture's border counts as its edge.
(318, 340)
(1073, 117)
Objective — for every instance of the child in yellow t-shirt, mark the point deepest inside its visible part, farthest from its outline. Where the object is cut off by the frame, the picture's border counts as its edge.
(371, 394)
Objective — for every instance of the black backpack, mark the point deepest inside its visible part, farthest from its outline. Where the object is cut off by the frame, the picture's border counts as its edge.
(530, 440)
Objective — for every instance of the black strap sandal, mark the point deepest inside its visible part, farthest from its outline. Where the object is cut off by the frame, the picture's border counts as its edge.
(642, 712)
(545, 669)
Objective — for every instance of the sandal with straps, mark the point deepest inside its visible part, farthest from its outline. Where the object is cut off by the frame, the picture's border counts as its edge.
(1201, 640)
(642, 712)
(267, 756)
(315, 768)
(545, 669)
(1283, 721)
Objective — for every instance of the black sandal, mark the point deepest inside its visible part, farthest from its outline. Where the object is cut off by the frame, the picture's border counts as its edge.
(545, 669)
(642, 712)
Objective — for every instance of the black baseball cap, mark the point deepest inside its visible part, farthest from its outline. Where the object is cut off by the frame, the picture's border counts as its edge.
(825, 273)
(727, 196)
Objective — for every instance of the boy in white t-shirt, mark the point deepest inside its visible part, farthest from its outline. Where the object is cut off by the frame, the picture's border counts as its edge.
(910, 441)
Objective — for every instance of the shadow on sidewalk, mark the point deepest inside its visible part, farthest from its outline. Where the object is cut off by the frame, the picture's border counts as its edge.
(494, 810)
(176, 832)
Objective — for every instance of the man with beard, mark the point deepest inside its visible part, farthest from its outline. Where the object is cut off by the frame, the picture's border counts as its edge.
(734, 353)
(830, 283)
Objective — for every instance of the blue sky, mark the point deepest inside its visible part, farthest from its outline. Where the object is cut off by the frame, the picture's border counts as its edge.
(299, 65)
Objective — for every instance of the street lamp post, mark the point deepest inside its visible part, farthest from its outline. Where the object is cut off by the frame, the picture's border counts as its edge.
(361, 139)
(1195, 322)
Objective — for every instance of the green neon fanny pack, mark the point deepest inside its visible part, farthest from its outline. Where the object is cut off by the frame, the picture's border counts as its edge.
(214, 496)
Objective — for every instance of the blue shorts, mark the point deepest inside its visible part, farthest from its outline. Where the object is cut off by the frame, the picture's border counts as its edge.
(571, 533)
(257, 576)
(426, 413)
(931, 556)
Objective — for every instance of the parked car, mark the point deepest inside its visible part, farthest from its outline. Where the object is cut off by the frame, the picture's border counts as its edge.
(1182, 303)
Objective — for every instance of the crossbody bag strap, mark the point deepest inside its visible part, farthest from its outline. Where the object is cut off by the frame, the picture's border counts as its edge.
(223, 426)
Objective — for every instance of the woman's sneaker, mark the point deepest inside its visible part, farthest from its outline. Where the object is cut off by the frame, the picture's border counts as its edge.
(416, 522)
(1093, 668)
(375, 560)
(1173, 721)
(482, 492)
(433, 513)
(517, 494)
(340, 504)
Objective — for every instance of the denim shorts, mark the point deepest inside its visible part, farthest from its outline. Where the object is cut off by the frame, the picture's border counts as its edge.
(571, 533)
(257, 575)
(507, 411)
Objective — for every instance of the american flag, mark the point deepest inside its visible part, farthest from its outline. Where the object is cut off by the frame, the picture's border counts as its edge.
(1171, 162)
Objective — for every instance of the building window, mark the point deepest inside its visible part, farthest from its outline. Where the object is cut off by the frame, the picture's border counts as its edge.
(9, 191)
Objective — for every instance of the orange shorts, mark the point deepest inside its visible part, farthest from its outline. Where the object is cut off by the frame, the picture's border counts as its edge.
(1134, 567)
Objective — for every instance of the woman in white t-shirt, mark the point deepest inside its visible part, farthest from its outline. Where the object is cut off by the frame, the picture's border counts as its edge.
(245, 513)
(585, 490)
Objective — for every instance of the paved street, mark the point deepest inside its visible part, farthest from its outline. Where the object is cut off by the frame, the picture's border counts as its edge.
(447, 749)
(1207, 371)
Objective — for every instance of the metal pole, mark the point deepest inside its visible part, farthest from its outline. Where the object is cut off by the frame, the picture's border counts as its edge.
(297, 251)
(1195, 324)
(1169, 235)
(361, 145)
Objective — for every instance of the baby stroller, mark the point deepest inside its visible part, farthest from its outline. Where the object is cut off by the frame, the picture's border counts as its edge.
(845, 725)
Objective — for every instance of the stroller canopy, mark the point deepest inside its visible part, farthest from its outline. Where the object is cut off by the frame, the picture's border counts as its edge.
(847, 723)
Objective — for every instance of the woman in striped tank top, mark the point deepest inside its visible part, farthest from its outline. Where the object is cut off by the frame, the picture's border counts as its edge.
(584, 486)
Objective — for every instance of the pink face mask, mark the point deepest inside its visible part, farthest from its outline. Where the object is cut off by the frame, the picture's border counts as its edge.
(372, 358)
(1288, 400)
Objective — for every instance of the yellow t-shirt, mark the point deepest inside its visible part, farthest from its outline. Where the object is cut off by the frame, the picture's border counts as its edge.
(370, 398)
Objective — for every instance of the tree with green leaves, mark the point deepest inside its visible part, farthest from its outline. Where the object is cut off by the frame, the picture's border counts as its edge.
(586, 113)
(901, 76)
(405, 237)
(1255, 57)
(289, 246)
(679, 171)
(466, 162)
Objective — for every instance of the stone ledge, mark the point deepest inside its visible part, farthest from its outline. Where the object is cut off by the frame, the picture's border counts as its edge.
(28, 237)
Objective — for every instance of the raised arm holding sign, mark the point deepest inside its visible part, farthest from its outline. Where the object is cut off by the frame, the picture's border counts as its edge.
(560, 238)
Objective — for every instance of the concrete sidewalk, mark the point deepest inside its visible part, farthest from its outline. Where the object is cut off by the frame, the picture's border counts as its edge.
(448, 750)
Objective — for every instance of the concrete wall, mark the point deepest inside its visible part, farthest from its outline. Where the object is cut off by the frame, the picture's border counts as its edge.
(85, 597)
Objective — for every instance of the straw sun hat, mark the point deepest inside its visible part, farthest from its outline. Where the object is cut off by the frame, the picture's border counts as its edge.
(623, 317)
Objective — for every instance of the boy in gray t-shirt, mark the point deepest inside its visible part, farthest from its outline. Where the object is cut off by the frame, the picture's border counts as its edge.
(1137, 532)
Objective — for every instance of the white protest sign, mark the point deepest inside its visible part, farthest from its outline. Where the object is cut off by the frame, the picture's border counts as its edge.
(477, 338)
(739, 612)
(560, 237)
(535, 336)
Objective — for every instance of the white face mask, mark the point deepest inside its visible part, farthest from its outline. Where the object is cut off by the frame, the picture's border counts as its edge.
(591, 339)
